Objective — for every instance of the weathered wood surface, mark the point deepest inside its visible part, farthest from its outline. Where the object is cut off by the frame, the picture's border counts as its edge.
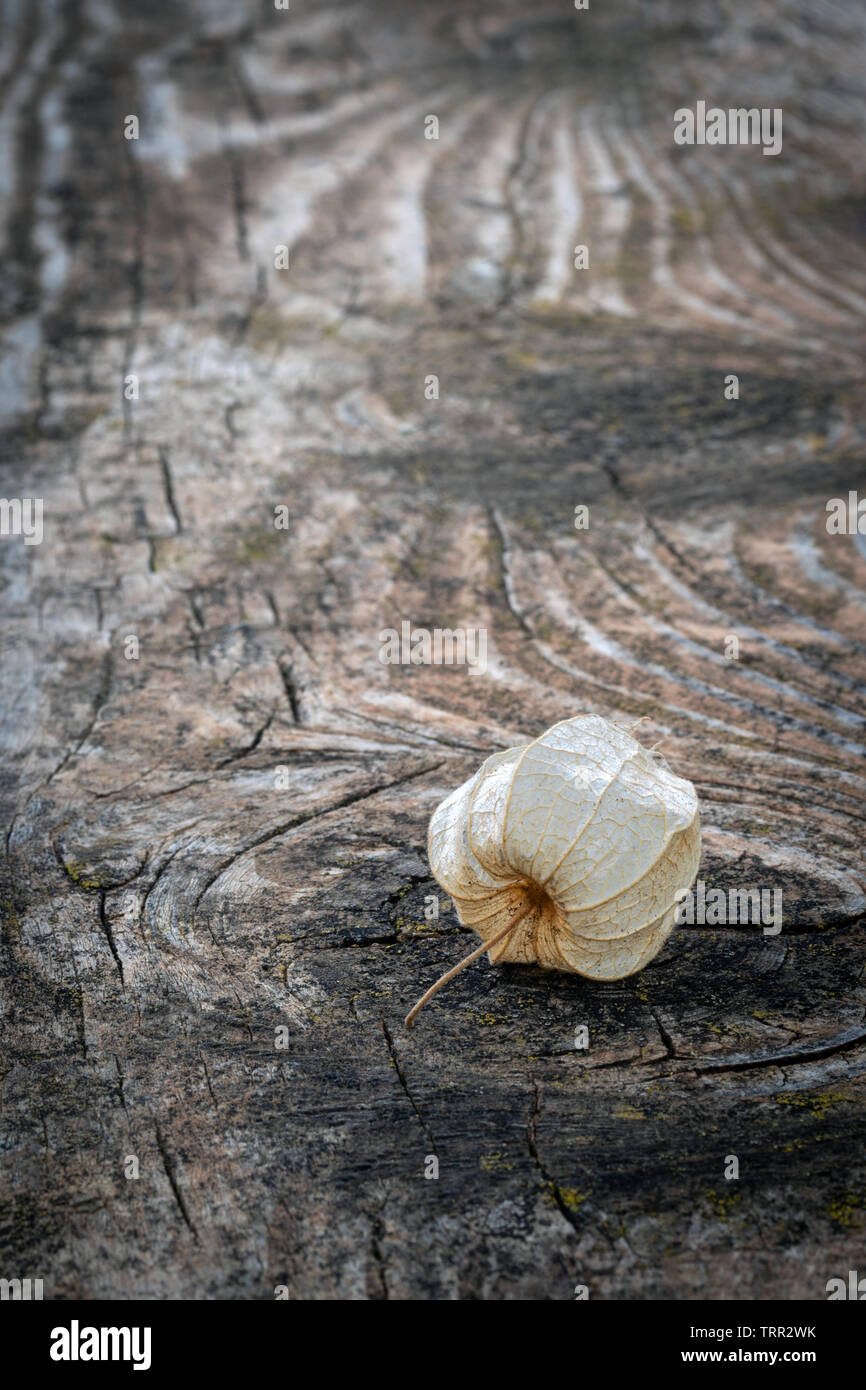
(166, 907)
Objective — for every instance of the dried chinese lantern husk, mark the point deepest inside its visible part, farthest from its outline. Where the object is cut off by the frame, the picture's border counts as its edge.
(584, 827)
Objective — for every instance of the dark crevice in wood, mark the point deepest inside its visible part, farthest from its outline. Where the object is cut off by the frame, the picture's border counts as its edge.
(404, 1084)
(549, 1181)
(287, 677)
(380, 1292)
(169, 1166)
(251, 746)
(121, 1095)
(168, 486)
(842, 1042)
(208, 1081)
(109, 935)
(305, 818)
(663, 1033)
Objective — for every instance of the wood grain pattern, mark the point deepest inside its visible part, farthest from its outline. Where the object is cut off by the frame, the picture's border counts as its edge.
(166, 905)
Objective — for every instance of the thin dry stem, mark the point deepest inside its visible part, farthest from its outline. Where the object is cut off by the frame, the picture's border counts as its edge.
(455, 970)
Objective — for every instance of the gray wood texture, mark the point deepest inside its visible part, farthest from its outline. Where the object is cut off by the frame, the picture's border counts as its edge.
(225, 836)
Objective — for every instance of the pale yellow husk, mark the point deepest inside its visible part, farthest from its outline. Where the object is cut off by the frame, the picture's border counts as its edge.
(592, 828)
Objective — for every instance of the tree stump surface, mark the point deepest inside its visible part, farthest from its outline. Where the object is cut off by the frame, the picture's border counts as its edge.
(225, 836)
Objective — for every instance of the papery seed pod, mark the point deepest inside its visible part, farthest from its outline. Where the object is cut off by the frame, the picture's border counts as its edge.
(572, 851)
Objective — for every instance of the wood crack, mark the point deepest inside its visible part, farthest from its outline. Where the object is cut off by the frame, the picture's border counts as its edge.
(550, 1182)
(404, 1084)
(169, 1166)
(168, 487)
(109, 935)
(305, 818)
(841, 1042)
